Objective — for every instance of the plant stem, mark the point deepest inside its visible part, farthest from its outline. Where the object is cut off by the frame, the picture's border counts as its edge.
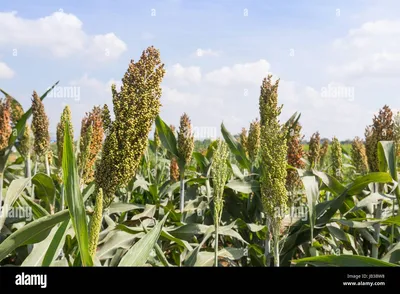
(268, 244)
(276, 249)
(155, 167)
(216, 244)
(1, 188)
(182, 200)
(377, 227)
(28, 168)
(62, 197)
(46, 161)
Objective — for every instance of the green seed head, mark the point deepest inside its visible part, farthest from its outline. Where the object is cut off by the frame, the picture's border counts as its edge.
(220, 174)
(295, 158)
(253, 142)
(136, 106)
(5, 123)
(95, 225)
(382, 129)
(359, 156)
(336, 158)
(185, 139)
(314, 150)
(273, 151)
(65, 118)
(91, 140)
(40, 126)
(244, 140)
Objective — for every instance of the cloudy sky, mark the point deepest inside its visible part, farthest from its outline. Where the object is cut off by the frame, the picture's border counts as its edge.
(338, 61)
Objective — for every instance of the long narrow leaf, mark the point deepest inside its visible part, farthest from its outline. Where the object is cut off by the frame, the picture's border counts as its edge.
(74, 199)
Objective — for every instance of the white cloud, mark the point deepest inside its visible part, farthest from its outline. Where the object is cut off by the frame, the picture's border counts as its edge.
(247, 73)
(370, 50)
(206, 52)
(174, 96)
(231, 94)
(5, 71)
(183, 75)
(60, 33)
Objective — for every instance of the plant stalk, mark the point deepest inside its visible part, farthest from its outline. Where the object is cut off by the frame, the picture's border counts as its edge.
(1, 187)
(276, 250)
(268, 244)
(377, 227)
(216, 244)
(182, 200)
(46, 161)
(62, 197)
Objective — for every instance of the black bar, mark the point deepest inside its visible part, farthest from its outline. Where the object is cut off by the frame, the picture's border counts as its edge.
(203, 279)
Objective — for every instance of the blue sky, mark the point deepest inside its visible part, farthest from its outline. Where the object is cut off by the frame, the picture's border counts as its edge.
(338, 61)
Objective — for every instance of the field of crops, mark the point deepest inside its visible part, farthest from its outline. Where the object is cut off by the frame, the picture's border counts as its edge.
(125, 195)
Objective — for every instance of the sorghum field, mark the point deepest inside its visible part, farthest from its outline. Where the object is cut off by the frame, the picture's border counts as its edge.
(123, 195)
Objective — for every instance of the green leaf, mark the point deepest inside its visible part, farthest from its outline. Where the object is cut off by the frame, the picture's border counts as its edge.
(393, 254)
(387, 161)
(45, 188)
(243, 186)
(330, 182)
(343, 260)
(188, 231)
(31, 233)
(312, 192)
(115, 240)
(56, 243)
(120, 207)
(38, 252)
(362, 182)
(236, 148)
(38, 210)
(13, 192)
(74, 198)
(140, 252)
(201, 161)
(167, 137)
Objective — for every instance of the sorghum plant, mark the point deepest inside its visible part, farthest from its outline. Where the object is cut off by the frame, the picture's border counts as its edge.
(359, 156)
(273, 151)
(253, 142)
(220, 173)
(65, 117)
(295, 155)
(91, 140)
(185, 149)
(336, 158)
(136, 106)
(244, 139)
(382, 129)
(313, 154)
(323, 152)
(40, 129)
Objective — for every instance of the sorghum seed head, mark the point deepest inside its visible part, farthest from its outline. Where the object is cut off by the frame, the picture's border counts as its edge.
(336, 158)
(5, 123)
(65, 118)
(185, 139)
(359, 156)
(40, 126)
(136, 106)
(273, 151)
(253, 142)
